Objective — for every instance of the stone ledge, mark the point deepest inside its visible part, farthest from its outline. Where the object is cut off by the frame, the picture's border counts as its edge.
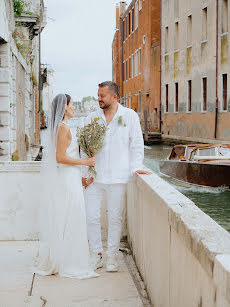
(201, 234)
(20, 166)
(166, 137)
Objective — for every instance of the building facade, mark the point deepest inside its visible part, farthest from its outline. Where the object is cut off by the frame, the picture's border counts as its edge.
(195, 57)
(136, 59)
(20, 96)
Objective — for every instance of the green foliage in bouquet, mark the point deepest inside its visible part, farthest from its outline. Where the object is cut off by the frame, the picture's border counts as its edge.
(91, 139)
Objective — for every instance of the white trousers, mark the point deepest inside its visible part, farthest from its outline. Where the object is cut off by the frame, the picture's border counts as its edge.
(115, 202)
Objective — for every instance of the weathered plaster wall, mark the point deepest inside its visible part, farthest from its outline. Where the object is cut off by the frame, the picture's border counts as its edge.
(193, 61)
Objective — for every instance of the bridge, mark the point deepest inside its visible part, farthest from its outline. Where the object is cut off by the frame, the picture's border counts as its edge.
(172, 254)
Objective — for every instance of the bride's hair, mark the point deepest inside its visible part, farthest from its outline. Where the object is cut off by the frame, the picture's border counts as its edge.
(68, 97)
(58, 112)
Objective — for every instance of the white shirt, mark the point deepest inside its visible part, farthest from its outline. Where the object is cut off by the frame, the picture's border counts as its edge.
(123, 151)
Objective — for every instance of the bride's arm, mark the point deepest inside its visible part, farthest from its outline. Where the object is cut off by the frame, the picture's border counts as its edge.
(63, 137)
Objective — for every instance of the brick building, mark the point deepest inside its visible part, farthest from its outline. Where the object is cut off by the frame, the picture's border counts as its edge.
(195, 70)
(136, 58)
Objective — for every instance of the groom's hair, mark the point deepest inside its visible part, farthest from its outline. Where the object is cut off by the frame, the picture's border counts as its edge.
(112, 86)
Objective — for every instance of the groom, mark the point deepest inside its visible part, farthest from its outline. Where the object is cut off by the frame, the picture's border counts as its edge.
(119, 159)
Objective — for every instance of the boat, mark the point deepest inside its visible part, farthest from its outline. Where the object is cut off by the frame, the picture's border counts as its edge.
(200, 164)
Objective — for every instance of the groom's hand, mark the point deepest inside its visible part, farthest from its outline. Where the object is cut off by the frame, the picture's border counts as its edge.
(86, 182)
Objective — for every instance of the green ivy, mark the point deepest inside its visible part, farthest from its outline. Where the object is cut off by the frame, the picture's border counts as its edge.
(18, 7)
(28, 13)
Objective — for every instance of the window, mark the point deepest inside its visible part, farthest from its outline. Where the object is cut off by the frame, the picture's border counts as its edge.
(224, 16)
(176, 9)
(132, 19)
(139, 101)
(129, 22)
(176, 38)
(204, 89)
(132, 65)
(176, 98)
(225, 92)
(140, 5)
(126, 70)
(189, 96)
(123, 71)
(166, 98)
(204, 24)
(136, 63)
(139, 64)
(136, 14)
(130, 68)
(123, 30)
(189, 31)
(130, 101)
(166, 39)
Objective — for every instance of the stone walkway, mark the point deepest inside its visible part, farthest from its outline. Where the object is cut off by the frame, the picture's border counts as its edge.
(19, 287)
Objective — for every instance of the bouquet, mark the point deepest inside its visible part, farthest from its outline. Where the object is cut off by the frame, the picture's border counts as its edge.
(91, 139)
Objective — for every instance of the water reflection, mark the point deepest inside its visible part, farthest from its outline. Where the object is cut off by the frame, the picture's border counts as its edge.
(213, 201)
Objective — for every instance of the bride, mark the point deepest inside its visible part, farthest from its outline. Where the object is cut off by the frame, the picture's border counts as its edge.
(63, 247)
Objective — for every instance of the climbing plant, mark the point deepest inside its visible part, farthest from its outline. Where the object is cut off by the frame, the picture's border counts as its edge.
(18, 7)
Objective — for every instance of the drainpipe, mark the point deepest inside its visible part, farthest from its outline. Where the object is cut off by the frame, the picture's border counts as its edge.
(122, 55)
(160, 62)
(217, 62)
(122, 11)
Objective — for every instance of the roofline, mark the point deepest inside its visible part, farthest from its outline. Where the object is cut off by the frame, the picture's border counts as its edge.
(128, 9)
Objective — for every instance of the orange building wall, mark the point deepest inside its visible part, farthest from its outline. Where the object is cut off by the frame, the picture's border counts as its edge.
(197, 125)
(148, 81)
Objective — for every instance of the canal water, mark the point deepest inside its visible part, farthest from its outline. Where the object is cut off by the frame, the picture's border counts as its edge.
(213, 201)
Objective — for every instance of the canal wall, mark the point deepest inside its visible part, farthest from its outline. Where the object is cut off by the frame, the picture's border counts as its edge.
(182, 254)
(173, 139)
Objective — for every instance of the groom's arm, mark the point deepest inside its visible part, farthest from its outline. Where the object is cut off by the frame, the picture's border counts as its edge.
(136, 146)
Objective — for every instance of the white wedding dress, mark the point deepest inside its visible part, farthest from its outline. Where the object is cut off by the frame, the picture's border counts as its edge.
(63, 247)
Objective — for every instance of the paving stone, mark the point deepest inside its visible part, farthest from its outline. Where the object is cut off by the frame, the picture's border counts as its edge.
(109, 290)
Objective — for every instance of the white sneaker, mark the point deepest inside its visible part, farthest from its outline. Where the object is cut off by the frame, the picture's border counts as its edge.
(96, 261)
(111, 264)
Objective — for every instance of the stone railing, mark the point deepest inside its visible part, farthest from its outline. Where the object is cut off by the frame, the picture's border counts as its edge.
(19, 202)
(182, 254)
(19, 199)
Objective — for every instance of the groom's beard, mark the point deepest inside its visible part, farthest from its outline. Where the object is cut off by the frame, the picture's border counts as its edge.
(103, 105)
